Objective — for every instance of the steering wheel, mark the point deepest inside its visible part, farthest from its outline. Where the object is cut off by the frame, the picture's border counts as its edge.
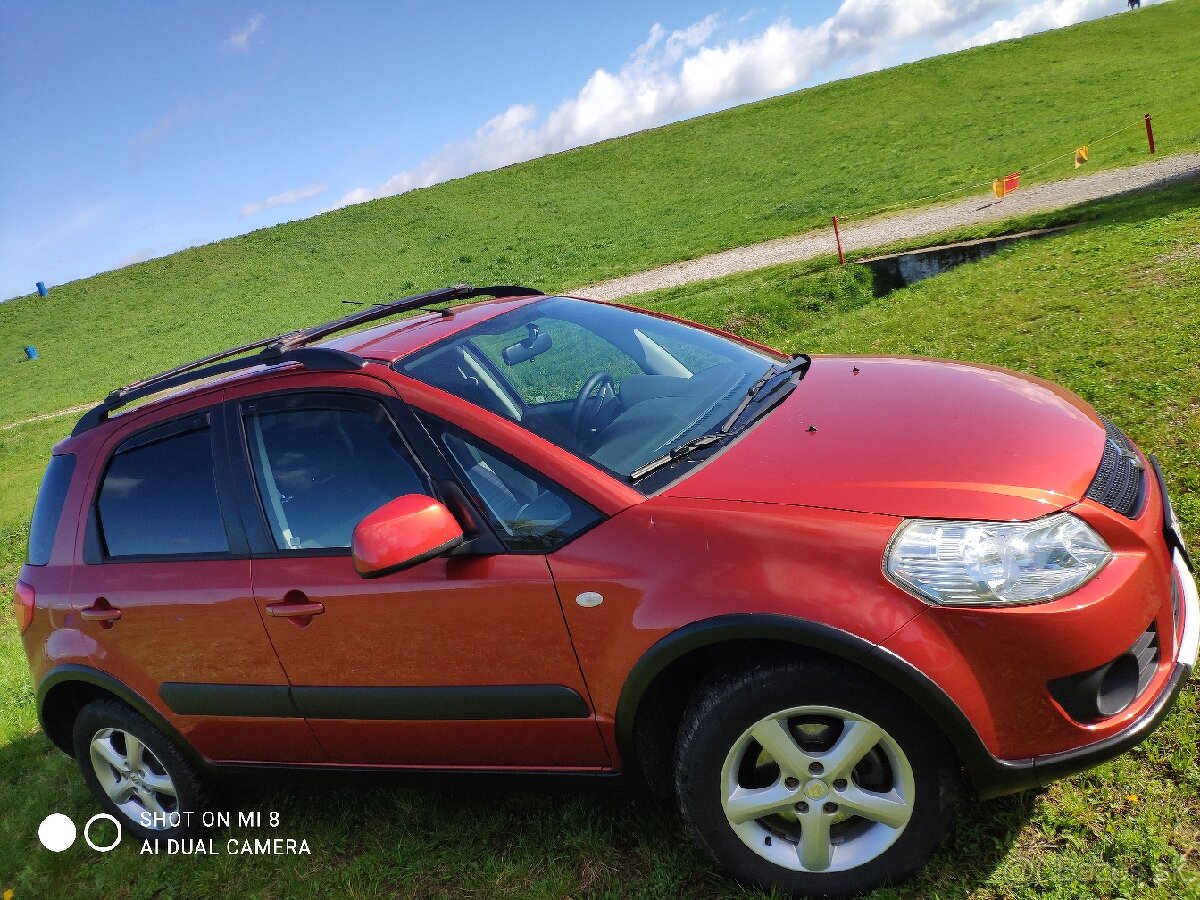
(581, 418)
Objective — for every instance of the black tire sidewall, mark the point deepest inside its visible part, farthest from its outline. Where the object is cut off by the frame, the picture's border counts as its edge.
(721, 712)
(189, 785)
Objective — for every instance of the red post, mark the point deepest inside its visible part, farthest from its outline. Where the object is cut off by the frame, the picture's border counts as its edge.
(837, 234)
(1149, 132)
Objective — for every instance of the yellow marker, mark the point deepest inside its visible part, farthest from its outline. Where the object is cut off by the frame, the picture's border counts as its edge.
(1081, 156)
(998, 188)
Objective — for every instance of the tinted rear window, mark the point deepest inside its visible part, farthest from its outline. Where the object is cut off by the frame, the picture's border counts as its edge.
(159, 498)
(49, 507)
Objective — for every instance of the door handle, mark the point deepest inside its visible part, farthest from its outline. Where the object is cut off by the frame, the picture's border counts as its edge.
(101, 611)
(295, 610)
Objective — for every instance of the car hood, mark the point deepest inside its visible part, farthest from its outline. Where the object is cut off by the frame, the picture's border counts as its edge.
(912, 437)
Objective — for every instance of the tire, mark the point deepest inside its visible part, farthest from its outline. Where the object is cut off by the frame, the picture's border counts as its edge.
(796, 825)
(133, 769)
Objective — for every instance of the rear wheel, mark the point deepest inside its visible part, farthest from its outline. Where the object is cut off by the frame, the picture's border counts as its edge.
(136, 773)
(812, 778)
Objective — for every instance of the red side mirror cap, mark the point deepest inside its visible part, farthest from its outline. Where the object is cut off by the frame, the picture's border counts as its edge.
(402, 533)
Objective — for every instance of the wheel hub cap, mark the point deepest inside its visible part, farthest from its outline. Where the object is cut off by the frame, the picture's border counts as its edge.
(816, 790)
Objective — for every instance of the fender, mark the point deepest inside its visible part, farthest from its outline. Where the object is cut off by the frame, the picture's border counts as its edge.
(73, 672)
(990, 776)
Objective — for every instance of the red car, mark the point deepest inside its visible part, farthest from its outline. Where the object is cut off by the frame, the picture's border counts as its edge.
(816, 598)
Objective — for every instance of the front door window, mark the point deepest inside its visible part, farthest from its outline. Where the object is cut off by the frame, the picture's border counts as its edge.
(321, 467)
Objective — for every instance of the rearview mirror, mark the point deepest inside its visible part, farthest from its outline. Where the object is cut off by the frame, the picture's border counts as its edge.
(402, 533)
(535, 343)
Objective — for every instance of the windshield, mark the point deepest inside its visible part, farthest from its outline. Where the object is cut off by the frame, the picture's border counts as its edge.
(616, 387)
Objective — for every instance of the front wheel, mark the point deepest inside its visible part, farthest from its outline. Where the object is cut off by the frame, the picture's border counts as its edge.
(136, 773)
(812, 778)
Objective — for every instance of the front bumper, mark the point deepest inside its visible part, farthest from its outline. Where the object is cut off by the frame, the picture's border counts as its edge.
(994, 777)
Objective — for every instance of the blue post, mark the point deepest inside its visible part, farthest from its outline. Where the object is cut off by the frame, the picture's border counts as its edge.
(31, 352)
(43, 291)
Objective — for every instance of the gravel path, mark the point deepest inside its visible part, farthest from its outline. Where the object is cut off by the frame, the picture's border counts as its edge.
(50, 415)
(903, 226)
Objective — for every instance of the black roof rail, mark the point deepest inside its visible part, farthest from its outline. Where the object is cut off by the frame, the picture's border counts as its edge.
(289, 348)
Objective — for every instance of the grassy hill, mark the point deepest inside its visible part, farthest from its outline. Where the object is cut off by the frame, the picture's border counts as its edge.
(1108, 309)
(755, 172)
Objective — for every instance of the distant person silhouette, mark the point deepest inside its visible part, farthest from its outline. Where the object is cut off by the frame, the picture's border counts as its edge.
(1135, 4)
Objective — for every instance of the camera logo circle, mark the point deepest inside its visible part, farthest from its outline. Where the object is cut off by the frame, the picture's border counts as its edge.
(87, 832)
(57, 832)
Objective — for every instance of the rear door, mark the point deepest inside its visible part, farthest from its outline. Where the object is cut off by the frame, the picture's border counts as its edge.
(461, 661)
(164, 594)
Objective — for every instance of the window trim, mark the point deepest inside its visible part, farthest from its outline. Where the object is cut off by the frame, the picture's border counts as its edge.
(474, 355)
(95, 551)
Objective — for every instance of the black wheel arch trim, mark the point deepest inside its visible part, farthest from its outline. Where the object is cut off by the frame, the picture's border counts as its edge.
(74, 672)
(988, 775)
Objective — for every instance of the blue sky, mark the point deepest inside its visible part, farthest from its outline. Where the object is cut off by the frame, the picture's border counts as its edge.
(134, 129)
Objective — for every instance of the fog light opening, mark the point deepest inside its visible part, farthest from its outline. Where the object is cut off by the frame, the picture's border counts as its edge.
(1118, 687)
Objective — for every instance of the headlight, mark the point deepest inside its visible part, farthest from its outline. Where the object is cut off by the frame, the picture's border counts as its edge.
(991, 563)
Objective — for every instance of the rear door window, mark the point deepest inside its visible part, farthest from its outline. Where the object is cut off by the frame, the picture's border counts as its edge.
(159, 495)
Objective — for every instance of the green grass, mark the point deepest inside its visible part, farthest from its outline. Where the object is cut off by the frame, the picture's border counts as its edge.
(1108, 309)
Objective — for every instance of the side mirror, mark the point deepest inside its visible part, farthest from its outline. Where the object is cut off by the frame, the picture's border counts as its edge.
(402, 533)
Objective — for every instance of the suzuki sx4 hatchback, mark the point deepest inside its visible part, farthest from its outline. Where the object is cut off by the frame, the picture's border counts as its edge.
(817, 599)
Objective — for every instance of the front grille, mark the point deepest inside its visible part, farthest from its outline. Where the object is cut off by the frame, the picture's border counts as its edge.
(1120, 482)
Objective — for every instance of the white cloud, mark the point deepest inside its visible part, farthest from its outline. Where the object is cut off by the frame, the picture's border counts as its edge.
(295, 195)
(677, 74)
(1041, 16)
(283, 198)
(240, 39)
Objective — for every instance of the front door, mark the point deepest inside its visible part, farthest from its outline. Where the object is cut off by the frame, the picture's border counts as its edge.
(461, 661)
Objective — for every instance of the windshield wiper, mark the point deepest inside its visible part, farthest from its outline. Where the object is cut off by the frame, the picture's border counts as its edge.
(676, 454)
(771, 380)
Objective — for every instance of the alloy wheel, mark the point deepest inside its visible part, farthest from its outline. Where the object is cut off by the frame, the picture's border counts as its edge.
(133, 777)
(817, 789)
